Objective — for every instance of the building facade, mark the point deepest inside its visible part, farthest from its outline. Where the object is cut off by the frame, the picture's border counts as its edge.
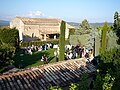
(31, 29)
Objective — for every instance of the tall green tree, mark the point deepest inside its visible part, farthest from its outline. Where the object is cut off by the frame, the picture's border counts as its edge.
(85, 25)
(9, 42)
(116, 17)
(117, 26)
(10, 36)
(105, 28)
(62, 40)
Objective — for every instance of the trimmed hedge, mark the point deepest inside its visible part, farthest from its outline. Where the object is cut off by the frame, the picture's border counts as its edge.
(37, 43)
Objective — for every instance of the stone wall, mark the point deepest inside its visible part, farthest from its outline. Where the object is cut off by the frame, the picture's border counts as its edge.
(37, 30)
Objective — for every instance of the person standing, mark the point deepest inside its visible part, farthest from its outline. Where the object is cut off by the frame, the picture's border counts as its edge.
(45, 59)
(56, 55)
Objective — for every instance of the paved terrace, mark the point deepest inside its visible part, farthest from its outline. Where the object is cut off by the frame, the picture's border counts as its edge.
(40, 78)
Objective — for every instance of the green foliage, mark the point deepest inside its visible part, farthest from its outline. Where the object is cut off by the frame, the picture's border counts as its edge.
(105, 28)
(116, 25)
(91, 39)
(10, 36)
(6, 54)
(74, 86)
(37, 43)
(108, 82)
(9, 42)
(26, 61)
(111, 39)
(78, 39)
(99, 28)
(98, 82)
(84, 82)
(62, 40)
(111, 55)
(71, 31)
(109, 70)
(103, 82)
(54, 88)
(85, 25)
(84, 28)
(116, 19)
(82, 85)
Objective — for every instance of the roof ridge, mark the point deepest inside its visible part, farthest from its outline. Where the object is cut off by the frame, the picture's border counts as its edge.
(36, 18)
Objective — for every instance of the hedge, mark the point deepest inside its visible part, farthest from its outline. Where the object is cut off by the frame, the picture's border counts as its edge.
(37, 43)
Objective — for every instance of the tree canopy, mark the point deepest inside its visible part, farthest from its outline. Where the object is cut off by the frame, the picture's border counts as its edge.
(105, 28)
(85, 25)
(9, 42)
(10, 36)
(6, 54)
(117, 25)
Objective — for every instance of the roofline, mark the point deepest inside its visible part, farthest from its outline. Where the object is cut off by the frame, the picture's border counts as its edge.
(37, 18)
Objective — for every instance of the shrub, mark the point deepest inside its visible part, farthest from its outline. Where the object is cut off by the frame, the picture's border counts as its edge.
(10, 36)
(37, 43)
(6, 55)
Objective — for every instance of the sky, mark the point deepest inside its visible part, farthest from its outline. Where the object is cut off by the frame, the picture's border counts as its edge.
(68, 10)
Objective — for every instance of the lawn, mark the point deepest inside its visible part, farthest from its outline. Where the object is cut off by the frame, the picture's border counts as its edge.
(27, 60)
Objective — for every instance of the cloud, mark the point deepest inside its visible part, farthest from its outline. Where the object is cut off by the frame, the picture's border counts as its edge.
(7, 17)
(34, 14)
(29, 14)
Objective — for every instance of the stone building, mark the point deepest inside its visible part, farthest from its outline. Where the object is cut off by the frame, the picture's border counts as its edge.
(31, 29)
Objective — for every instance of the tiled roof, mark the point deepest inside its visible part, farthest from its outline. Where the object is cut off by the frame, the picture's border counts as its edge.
(39, 20)
(49, 32)
(40, 78)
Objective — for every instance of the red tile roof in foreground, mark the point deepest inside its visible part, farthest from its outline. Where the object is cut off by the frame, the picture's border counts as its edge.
(41, 77)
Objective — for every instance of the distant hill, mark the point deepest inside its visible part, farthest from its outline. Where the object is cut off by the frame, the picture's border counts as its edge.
(76, 25)
(99, 24)
(4, 23)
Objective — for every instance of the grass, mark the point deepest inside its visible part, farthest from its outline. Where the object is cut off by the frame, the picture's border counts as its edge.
(26, 60)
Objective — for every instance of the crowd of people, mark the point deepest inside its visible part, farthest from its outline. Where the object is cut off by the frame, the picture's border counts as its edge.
(71, 52)
(31, 49)
(78, 51)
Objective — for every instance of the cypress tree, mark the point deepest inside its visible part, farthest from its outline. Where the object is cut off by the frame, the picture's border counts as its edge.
(116, 17)
(104, 36)
(62, 40)
(117, 26)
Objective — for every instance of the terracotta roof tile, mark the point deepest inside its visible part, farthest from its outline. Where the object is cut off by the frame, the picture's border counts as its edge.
(39, 20)
(40, 78)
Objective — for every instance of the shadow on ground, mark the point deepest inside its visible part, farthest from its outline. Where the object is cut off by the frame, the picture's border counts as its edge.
(26, 60)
